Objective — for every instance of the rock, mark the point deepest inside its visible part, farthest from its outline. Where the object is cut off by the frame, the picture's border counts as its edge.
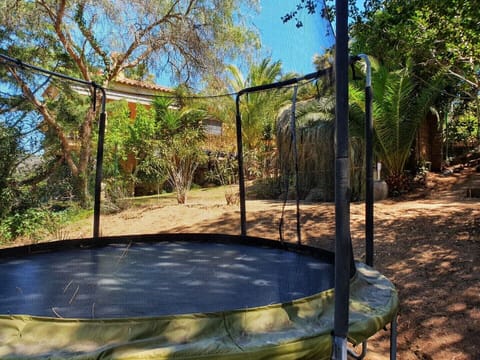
(380, 190)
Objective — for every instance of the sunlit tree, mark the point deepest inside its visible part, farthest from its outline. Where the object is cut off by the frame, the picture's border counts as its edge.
(178, 149)
(98, 40)
(258, 110)
(398, 109)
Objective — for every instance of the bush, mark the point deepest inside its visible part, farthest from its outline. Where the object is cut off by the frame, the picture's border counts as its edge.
(398, 184)
(268, 188)
(33, 224)
(116, 197)
(222, 169)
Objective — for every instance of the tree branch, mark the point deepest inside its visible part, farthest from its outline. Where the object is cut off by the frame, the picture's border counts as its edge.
(463, 78)
(50, 169)
(189, 8)
(65, 38)
(138, 60)
(49, 119)
(119, 65)
(87, 33)
(451, 72)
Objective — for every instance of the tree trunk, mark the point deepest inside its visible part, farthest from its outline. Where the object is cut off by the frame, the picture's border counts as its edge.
(181, 196)
(82, 191)
(81, 183)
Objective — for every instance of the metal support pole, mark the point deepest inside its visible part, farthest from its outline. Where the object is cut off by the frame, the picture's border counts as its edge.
(99, 165)
(369, 191)
(293, 128)
(360, 356)
(241, 175)
(339, 348)
(393, 338)
(343, 249)
(238, 120)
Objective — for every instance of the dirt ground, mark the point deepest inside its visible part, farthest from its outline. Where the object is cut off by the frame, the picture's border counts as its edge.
(427, 243)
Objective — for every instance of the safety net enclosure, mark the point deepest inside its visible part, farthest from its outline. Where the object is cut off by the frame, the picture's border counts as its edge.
(202, 295)
(260, 285)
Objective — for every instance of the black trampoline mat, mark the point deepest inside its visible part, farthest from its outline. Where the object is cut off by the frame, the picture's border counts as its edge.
(156, 279)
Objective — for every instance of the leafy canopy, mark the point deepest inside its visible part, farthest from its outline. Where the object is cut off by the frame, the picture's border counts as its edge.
(98, 40)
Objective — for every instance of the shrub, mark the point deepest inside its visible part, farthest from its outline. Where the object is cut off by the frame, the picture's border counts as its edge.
(33, 224)
(116, 197)
(268, 188)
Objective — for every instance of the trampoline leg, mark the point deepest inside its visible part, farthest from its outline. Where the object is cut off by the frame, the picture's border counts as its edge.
(393, 339)
(339, 348)
(360, 356)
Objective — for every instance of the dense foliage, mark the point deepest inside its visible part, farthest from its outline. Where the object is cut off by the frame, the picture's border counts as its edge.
(438, 43)
(9, 154)
(98, 40)
(428, 55)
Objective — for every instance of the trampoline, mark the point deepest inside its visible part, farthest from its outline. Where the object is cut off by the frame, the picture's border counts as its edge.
(196, 296)
(184, 296)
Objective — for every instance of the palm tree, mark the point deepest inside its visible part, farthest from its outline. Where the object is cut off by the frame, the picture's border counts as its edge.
(399, 106)
(179, 144)
(258, 109)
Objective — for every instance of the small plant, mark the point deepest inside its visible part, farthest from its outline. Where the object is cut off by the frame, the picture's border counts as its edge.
(223, 171)
(6, 235)
(232, 196)
(116, 196)
(421, 174)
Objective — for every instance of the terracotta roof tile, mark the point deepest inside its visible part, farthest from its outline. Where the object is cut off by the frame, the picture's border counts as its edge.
(143, 84)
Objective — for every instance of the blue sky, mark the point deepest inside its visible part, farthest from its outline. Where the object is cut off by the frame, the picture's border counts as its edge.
(294, 47)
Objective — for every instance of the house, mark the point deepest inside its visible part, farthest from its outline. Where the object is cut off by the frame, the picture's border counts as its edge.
(132, 91)
(135, 93)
